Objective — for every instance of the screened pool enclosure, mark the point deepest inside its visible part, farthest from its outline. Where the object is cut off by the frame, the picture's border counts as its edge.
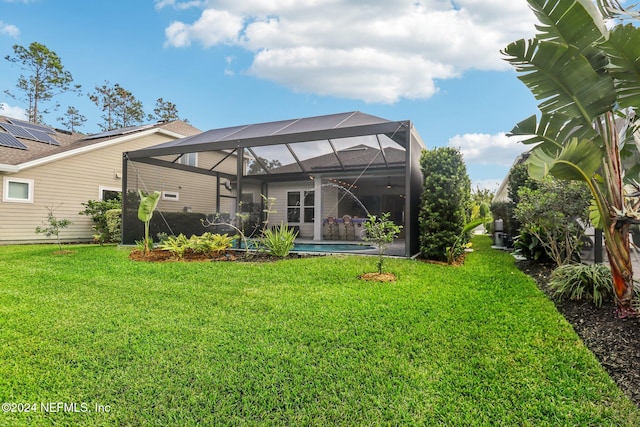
(322, 175)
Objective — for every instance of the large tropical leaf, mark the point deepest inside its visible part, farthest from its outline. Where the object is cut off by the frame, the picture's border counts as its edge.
(148, 204)
(562, 79)
(578, 160)
(552, 131)
(623, 48)
(573, 23)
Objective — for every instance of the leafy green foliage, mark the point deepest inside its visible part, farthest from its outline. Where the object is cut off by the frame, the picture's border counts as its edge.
(445, 201)
(278, 241)
(148, 204)
(211, 243)
(380, 231)
(97, 210)
(121, 108)
(454, 251)
(580, 281)
(528, 245)
(553, 214)
(177, 245)
(208, 244)
(114, 224)
(53, 226)
(586, 76)
(47, 77)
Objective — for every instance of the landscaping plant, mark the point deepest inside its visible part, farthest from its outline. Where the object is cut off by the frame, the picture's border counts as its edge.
(104, 224)
(454, 251)
(53, 227)
(582, 281)
(583, 68)
(380, 231)
(445, 201)
(279, 240)
(148, 204)
(554, 213)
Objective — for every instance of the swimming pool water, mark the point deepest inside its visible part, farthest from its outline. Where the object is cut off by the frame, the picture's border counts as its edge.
(330, 247)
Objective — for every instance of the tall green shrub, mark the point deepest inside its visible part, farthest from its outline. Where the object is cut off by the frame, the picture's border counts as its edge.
(97, 210)
(445, 201)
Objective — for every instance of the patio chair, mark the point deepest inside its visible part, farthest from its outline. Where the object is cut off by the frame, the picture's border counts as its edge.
(349, 228)
(332, 231)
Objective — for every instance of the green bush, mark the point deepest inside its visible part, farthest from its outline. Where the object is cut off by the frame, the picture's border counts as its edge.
(580, 281)
(97, 210)
(279, 240)
(554, 213)
(445, 201)
(528, 245)
(113, 219)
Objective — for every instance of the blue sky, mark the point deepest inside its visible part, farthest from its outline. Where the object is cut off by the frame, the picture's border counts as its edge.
(229, 62)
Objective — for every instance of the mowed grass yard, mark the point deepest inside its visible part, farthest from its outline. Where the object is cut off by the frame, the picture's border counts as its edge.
(294, 342)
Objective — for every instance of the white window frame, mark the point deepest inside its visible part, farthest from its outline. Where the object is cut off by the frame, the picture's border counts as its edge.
(184, 159)
(103, 188)
(301, 207)
(6, 180)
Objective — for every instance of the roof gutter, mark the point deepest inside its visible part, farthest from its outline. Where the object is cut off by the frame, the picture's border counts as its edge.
(9, 168)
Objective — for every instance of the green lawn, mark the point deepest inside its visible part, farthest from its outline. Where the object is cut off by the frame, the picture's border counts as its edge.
(296, 342)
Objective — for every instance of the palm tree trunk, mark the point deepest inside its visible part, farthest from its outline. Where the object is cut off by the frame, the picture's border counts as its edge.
(617, 244)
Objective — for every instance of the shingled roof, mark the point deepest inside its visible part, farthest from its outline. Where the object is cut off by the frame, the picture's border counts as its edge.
(29, 149)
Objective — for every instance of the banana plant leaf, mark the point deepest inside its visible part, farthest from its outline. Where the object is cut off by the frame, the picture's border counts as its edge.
(148, 204)
(578, 160)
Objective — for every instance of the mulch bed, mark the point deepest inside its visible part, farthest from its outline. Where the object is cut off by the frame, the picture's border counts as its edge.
(158, 255)
(614, 341)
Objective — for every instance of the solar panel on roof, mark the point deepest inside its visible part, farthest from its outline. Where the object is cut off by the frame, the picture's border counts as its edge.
(18, 131)
(8, 140)
(33, 134)
(30, 125)
(44, 137)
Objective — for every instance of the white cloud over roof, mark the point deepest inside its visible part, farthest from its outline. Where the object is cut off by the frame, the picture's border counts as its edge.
(377, 51)
(484, 149)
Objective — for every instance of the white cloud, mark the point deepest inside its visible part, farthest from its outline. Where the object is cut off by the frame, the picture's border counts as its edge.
(161, 4)
(9, 30)
(485, 149)
(13, 112)
(377, 51)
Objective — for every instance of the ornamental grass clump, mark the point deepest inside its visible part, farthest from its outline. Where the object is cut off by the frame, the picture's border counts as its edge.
(580, 281)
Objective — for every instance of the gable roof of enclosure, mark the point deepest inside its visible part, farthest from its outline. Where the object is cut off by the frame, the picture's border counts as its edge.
(338, 134)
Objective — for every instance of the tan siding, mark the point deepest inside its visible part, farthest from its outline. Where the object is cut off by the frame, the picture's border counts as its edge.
(66, 184)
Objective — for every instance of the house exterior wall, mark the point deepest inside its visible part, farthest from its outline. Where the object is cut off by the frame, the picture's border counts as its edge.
(65, 184)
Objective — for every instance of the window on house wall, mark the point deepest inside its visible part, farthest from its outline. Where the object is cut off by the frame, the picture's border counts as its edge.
(189, 159)
(300, 201)
(293, 206)
(17, 190)
(109, 193)
(309, 208)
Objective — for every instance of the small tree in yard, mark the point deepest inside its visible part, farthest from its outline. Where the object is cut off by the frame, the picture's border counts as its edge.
(381, 232)
(53, 227)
